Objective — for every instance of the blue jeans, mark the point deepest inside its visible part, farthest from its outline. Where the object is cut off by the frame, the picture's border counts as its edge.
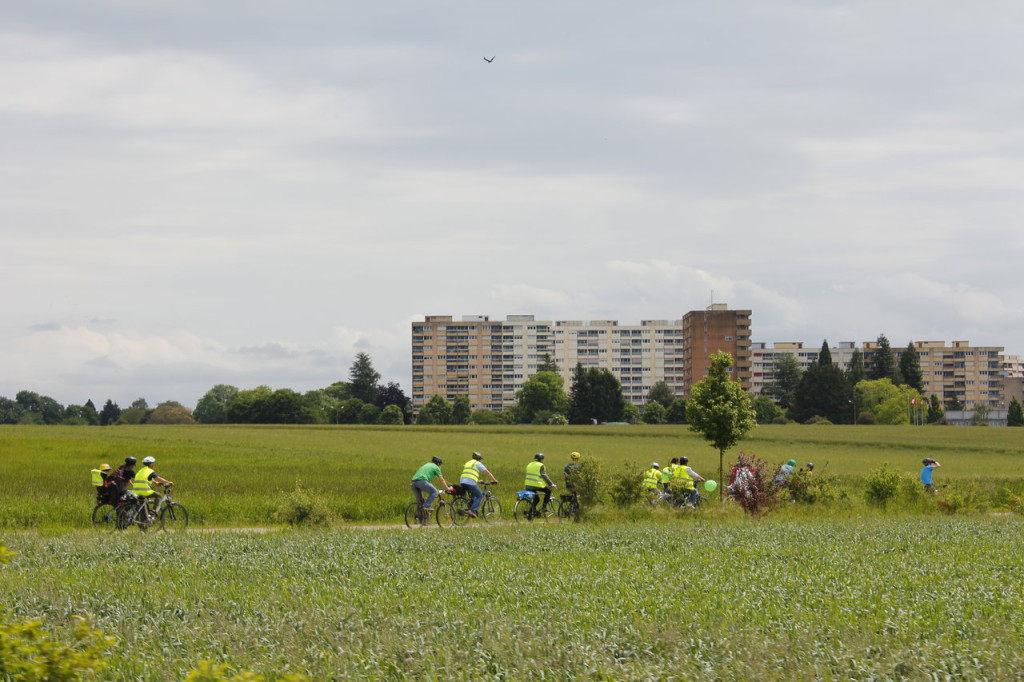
(475, 494)
(420, 487)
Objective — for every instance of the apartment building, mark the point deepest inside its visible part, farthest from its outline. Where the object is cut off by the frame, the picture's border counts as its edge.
(489, 360)
(959, 370)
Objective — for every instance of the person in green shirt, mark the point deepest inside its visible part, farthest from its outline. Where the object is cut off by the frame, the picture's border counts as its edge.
(421, 482)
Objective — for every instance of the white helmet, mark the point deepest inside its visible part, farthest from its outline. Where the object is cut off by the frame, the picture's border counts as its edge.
(149, 460)
(655, 465)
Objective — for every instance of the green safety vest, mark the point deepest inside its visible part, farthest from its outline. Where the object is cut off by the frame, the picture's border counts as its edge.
(97, 478)
(533, 475)
(666, 473)
(681, 474)
(140, 486)
(469, 470)
(651, 478)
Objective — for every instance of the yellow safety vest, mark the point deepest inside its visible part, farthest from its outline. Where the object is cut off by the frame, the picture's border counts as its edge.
(97, 478)
(666, 473)
(533, 475)
(681, 474)
(651, 478)
(469, 470)
(140, 486)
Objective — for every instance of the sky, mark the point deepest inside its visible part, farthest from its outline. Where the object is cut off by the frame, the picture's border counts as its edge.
(196, 193)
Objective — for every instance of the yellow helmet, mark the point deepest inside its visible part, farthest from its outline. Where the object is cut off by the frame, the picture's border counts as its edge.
(104, 467)
(575, 455)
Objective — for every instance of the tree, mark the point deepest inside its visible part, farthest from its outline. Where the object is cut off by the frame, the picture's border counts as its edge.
(249, 406)
(81, 415)
(461, 410)
(661, 392)
(369, 414)
(935, 412)
(170, 412)
(719, 409)
(392, 394)
(110, 413)
(285, 406)
(339, 390)
(324, 405)
(654, 413)
(437, 411)
(48, 409)
(883, 365)
(10, 411)
(547, 364)
(363, 379)
(488, 417)
(391, 415)
(540, 393)
(888, 402)
(348, 411)
(212, 408)
(764, 409)
(980, 416)
(910, 368)
(786, 377)
(954, 405)
(595, 394)
(823, 392)
(677, 412)
(855, 372)
(1015, 413)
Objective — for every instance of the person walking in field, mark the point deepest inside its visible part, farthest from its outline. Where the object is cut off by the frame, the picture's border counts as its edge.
(421, 482)
(470, 480)
(537, 480)
(926, 473)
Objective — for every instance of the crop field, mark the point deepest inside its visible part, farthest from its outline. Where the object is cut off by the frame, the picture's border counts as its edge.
(240, 475)
(869, 598)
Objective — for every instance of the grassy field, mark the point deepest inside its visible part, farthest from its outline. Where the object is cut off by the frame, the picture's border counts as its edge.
(240, 475)
(866, 599)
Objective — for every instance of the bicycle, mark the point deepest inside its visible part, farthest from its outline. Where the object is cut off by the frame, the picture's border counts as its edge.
(526, 507)
(417, 515)
(569, 507)
(489, 511)
(135, 511)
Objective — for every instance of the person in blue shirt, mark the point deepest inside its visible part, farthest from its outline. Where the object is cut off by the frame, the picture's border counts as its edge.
(926, 473)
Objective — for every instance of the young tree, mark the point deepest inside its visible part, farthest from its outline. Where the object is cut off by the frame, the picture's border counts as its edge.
(719, 409)
(391, 415)
(170, 412)
(363, 379)
(782, 387)
(212, 408)
(654, 413)
(1015, 413)
(764, 409)
(910, 368)
(661, 393)
(954, 404)
(980, 416)
(547, 364)
(542, 392)
(935, 412)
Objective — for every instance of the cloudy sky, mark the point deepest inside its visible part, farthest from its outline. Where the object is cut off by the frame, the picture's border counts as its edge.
(196, 192)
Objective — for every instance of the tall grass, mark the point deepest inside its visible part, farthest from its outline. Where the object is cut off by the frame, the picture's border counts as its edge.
(240, 475)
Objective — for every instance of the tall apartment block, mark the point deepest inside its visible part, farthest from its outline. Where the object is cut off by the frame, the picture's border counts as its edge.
(971, 374)
(488, 360)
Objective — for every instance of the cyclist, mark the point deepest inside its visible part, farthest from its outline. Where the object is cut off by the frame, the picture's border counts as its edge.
(652, 477)
(470, 480)
(668, 473)
(785, 472)
(123, 476)
(421, 482)
(145, 477)
(570, 471)
(104, 486)
(688, 477)
(537, 480)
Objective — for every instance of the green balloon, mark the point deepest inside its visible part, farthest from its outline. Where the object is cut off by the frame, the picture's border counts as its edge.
(710, 486)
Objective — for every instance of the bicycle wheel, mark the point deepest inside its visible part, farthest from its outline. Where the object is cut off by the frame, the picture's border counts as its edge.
(460, 511)
(491, 510)
(523, 511)
(123, 517)
(173, 517)
(102, 514)
(569, 510)
(414, 515)
(444, 515)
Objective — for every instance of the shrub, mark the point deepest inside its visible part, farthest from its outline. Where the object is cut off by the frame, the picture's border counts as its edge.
(626, 488)
(27, 652)
(781, 419)
(301, 509)
(587, 480)
(1014, 503)
(557, 420)
(751, 485)
(391, 416)
(488, 418)
(808, 488)
(962, 498)
(818, 419)
(867, 417)
(883, 486)
(208, 671)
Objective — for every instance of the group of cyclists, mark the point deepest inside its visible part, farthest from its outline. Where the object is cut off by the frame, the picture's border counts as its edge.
(125, 483)
(537, 481)
(676, 480)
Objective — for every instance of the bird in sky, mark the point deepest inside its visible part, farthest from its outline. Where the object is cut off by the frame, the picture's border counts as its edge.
(489, 60)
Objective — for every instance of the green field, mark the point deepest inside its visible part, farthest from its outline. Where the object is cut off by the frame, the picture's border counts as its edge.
(241, 475)
(865, 599)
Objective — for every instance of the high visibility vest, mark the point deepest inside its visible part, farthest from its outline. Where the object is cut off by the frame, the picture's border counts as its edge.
(666, 473)
(140, 486)
(469, 470)
(97, 478)
(533, 475)
(681, 474)
(651, 478)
